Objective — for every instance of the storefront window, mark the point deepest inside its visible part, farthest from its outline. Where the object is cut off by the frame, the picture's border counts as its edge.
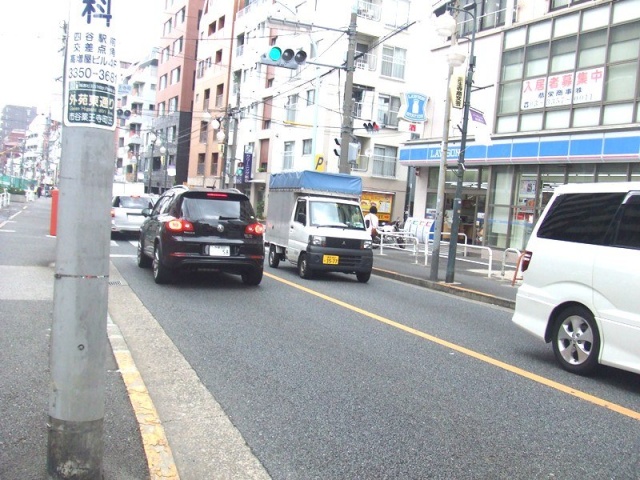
(635, 173)
(551, 176)
(581, 173)
(614, 172)
(497, 224)
(525, 207)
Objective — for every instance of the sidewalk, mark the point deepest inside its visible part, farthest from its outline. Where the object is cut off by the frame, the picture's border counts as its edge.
(471, 279)
(204, 440)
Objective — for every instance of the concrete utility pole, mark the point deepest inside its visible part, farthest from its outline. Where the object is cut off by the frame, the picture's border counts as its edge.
(79, 329)
(346, 131)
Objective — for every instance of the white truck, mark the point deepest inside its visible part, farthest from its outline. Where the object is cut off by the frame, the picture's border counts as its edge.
(315, 222)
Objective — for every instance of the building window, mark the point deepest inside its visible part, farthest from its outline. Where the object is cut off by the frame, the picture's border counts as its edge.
(204, 127)
(205, 101)
(306, 146)
(173, 105)
(212, 28)
(165, 54)
(579, 80)
(219, 56)
(287, 157)
(175, 76)
(311, 97)
(291, 107)
(556, 4)
(167, 28)
(200, 168)
(393, 62)
(388, 108)
(384, 161)
(221, 23)
(177, 46)
(490, 15)
(163, 82)
(214, 163)
(181, 15)
(220, 95)
(395, 13)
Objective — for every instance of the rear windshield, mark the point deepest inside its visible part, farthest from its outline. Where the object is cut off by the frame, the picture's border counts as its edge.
(204, 208)
(581, 217)
(135, 202)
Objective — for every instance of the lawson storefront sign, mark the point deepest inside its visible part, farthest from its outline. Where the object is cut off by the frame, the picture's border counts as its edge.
(619, 146)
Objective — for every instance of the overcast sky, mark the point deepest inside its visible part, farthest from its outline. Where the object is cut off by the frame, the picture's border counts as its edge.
(30, 38)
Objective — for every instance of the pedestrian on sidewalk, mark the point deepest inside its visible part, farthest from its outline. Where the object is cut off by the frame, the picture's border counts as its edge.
(371, 221)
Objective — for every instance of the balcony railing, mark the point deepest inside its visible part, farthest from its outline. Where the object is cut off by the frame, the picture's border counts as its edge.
(367, 61)
(362, 164)
(369, 10)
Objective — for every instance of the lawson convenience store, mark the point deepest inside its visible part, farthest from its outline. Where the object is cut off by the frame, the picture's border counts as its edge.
(507, 184)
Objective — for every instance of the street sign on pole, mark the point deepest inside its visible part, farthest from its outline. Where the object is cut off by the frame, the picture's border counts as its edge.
(91, 67)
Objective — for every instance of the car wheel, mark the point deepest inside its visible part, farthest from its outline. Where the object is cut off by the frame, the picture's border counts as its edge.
(576, 340)
(303, 267)
(143, 260)
(363, 277)
(252, 277)
(161, 274)
(274, 257)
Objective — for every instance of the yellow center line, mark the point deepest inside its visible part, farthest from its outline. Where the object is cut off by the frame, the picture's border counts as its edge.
(479, 356)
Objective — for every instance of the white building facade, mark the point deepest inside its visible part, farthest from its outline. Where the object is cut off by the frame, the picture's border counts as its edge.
(136, 111)
(558, 84)
(289, 119)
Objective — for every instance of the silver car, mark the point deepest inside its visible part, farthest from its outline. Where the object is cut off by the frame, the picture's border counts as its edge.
(126, 212)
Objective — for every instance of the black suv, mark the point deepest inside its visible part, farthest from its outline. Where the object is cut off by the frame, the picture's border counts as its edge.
(202, 228)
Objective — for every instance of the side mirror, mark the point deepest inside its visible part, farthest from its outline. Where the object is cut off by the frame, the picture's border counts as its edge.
(146, 212)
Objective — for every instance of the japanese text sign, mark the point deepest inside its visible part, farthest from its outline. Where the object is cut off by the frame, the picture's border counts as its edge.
(91, 66)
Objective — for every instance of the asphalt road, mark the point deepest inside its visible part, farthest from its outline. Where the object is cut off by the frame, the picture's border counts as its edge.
(330, 378)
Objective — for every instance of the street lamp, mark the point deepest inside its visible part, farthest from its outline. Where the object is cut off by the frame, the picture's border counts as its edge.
(447, 28)
(455, 225)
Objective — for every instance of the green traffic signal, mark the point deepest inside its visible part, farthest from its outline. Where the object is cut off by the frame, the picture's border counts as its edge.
(275, 53)
(287, 58)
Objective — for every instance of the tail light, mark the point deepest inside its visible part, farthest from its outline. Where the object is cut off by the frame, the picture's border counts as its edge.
(254, 229)
(179, 225)
(526, 260)
(113, 213)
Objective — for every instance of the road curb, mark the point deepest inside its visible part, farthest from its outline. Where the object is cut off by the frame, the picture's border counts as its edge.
(446, 288)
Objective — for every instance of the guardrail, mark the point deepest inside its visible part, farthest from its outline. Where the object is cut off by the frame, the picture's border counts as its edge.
(5, 199)
(403, 241)
(505, 253)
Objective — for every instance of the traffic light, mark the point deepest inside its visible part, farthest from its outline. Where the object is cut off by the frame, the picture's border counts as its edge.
(371, 127)
(123, 113)
(286, 58)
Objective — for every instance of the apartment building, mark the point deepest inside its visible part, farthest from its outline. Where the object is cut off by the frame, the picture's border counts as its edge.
(212, 117)
(558, 85)
(269, 119)
(171, 128)
(136, 114)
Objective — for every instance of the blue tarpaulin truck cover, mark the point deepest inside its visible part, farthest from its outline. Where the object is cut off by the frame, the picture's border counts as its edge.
(312, 181)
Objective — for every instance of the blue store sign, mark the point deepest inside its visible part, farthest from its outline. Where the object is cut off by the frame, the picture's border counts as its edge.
(414, 107)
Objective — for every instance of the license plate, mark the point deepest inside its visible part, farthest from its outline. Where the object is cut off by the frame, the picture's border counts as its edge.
(219, 250)
(330, 259)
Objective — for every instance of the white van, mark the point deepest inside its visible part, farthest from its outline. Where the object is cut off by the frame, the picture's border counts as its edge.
(581, 277)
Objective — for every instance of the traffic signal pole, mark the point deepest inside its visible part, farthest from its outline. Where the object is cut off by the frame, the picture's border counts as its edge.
(346, 131)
